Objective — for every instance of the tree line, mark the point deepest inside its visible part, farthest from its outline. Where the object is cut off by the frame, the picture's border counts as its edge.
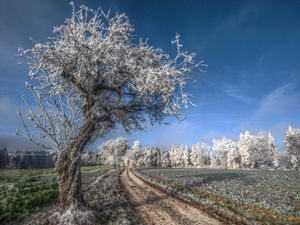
(26, 159)
(251, 151)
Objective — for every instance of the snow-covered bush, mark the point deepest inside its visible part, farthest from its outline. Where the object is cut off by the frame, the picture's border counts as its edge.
(293, 146)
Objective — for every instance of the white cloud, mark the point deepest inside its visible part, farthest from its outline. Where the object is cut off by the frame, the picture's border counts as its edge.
(235, 93)
(284, 99)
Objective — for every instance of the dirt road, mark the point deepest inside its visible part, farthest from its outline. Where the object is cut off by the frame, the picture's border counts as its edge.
(157, 207)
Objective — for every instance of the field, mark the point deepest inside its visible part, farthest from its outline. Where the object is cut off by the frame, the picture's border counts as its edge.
(23, 192)
(249, 196)
(154, 196)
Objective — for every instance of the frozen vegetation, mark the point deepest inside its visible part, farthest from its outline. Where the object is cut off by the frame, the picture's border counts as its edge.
(90, 77)
(293, 146)
(26, 191)
(93, 76)
(238, 182)
(242, 196)
(251, 151)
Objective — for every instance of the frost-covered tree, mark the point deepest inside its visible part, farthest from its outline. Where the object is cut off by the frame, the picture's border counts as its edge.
(134, 154)
(137, 146)
(152, 157)
(220, 150)
(174, 156)
(4, 158)
(186, 156)
(90, 77)
(165, 159)
(179, 156)
(284, 161)
(293, 146)
(113, 151)
(273, 152)
(247, 153)
(199, 155)
(89, 158)
(233, 156)
(258, 151)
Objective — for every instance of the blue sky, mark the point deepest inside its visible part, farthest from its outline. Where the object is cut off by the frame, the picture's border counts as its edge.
(252, 49)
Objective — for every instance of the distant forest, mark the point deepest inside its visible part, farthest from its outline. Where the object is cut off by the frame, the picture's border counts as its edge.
(26, 159)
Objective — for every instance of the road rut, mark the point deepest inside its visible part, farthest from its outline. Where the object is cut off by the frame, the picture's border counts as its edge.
(156, 207)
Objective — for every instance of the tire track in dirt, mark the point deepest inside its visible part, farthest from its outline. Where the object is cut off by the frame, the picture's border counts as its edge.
(157, 207)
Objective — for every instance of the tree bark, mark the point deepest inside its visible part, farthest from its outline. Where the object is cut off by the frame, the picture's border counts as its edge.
(69, 179)
(68, 169)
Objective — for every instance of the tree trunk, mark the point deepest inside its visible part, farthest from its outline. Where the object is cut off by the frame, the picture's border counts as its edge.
(69, 179)
(68, 169)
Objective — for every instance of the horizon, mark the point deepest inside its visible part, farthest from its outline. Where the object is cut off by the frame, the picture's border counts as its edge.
(251, 48)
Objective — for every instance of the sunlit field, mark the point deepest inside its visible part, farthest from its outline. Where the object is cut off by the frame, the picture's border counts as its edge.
(149, 112)
(256, 195)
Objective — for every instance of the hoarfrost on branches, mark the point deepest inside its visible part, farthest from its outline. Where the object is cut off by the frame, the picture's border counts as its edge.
(233, 156)
(293, 146)
(179, 156)
(258, 151)
(220, 150)
(92, 76)
(134, 154)
(114, 151)
(199, 155)
(152, 157)
(165, 159)
(92, 70)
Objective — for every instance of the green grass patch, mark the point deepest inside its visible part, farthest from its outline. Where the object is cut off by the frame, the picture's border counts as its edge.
(25, 191)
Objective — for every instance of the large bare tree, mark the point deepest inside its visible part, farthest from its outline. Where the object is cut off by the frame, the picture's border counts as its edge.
(92, 76)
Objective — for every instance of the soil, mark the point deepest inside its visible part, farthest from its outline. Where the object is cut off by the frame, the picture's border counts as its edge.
(154, 206)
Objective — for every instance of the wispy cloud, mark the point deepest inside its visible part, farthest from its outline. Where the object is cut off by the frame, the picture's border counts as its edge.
(237, 94)
(284, 99)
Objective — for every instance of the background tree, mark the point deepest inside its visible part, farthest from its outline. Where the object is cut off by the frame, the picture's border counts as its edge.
(89, 78)
(293, 146)
(273, 152)
(220, 150)
(4, 159)
(152, 157)
(113, 151)
(186, 156)
(199, 155)
(179, 156)
(233, 156)
(134, 154)
(258, 151)
(244, 145)
(165, 159)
